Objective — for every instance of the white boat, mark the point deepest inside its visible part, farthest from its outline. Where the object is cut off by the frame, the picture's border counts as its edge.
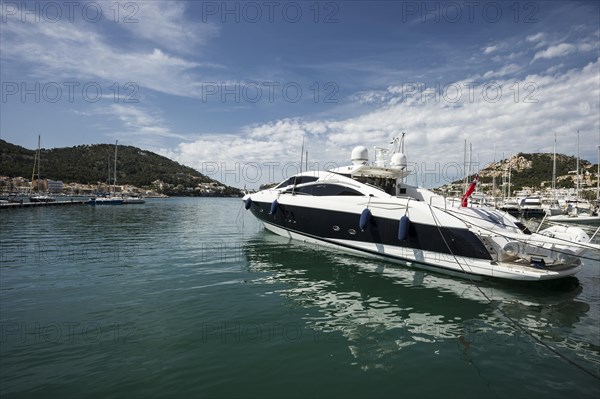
(576, 216)
(41, 198)
(578, 210)
(112, 198)
(133, 200)
(511, 205)
(368, 209)
(531, 207)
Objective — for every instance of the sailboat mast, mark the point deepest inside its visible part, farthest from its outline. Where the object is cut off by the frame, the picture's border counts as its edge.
(598, 179)
(470, 158)
(39, 162)
(494, 178)
(554, 168)
(509, 173)
(301, 160)
(108, 181)
(35, 158)
(577, 169)
(306, 162)
(115, 169)
(503, 181)
(466, 176)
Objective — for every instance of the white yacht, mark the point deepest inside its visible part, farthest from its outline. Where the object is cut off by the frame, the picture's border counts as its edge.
(578, 216)
(511, 206)
(531, 207)
(368, 209)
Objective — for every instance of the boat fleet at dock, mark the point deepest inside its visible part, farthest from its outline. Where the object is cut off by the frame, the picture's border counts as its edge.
(566, 209)
(37, 197)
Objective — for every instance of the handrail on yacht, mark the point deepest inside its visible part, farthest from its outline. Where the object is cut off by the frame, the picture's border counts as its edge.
(542, 222)
(438, 196)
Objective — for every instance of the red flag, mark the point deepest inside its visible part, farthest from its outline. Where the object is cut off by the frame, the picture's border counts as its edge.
(470, 190)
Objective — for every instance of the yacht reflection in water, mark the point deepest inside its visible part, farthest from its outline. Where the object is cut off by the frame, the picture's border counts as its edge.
(380, 307)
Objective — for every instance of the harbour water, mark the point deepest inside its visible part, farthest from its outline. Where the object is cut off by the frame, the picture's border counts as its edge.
(191, 297)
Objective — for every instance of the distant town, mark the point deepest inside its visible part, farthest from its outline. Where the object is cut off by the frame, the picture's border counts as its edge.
(23, 186)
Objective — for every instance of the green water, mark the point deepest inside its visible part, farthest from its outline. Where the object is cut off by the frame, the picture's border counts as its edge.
(193, 298)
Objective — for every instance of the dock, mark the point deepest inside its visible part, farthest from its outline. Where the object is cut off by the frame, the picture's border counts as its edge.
(14, 205)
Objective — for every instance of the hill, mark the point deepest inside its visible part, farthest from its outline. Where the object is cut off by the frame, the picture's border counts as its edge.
(535, 171)
(90, 164)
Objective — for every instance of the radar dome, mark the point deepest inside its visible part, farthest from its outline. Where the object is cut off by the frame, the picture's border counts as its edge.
(398, 160)
(360, 155)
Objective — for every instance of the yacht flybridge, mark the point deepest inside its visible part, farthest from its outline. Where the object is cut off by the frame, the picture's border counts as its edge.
(369, 209)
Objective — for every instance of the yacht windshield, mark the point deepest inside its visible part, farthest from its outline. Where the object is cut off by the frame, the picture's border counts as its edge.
(297, 180)
(388, 185)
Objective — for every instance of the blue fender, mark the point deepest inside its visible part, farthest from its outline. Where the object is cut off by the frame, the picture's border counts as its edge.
(274, 206)
(365, 219)
(248, 203)
(403, 228)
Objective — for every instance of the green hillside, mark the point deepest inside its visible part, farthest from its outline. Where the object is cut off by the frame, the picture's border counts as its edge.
(538, 172)
(534, 171)
(90, 164)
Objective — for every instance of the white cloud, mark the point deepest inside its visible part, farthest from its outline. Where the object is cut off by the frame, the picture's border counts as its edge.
(535, 38)
(490, 49)
(505, 70)
(558, 50)
(67, 50)
(523, 118)
(165, 24)
(139, 125)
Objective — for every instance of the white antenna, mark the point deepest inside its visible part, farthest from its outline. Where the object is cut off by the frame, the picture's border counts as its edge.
(402, 143)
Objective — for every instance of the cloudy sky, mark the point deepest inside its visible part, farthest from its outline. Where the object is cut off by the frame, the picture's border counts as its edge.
(233, 88)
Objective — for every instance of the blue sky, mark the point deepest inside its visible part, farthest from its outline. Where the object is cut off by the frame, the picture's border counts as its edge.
(232, 88)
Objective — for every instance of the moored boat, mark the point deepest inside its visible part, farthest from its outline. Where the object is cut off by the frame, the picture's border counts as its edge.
(531, 207)
(576, 216)
(369, 209)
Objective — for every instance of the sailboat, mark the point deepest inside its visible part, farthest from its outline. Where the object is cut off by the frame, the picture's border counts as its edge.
(577, 214)
(552, 205)
(112, 198)
(37, 159)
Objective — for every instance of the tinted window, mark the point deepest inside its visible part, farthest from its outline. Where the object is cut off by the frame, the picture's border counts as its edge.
(299, 180)
(386, 184)
(322, 190)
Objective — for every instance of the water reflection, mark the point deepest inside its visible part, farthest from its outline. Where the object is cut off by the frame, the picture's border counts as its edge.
(382, 308)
